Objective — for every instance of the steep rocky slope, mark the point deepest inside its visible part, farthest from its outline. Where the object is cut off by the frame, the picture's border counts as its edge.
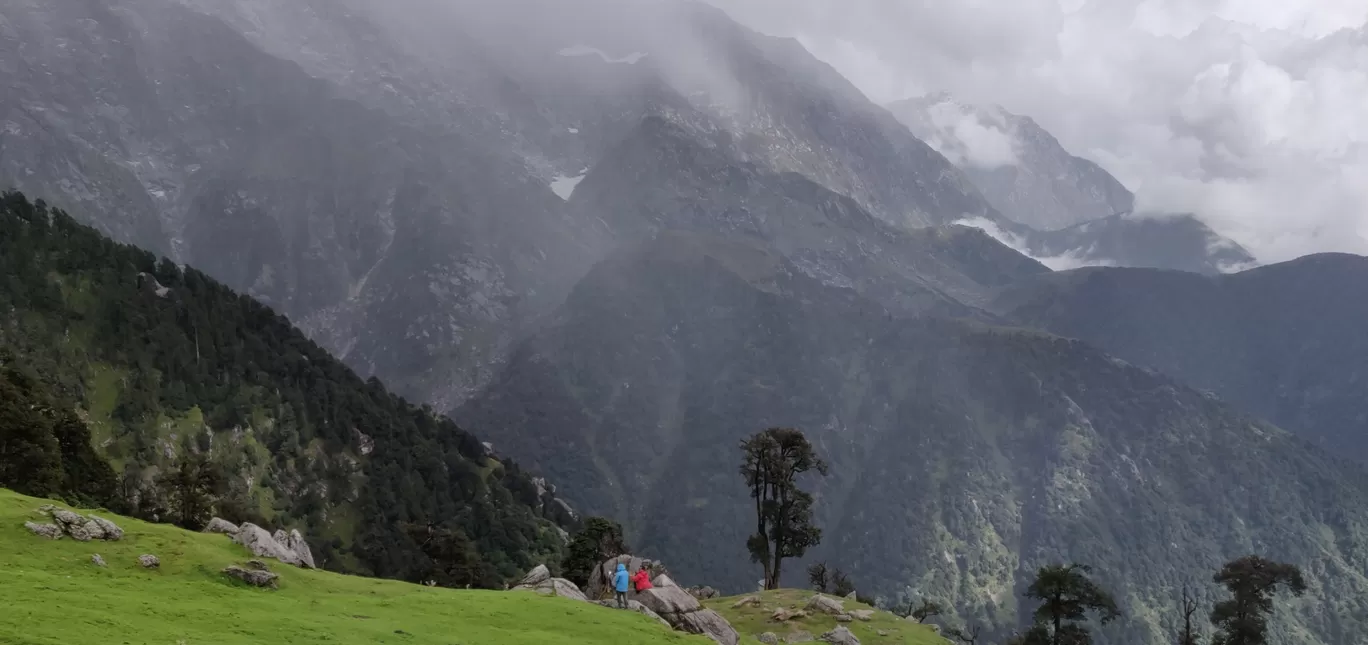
(963, 455)
(1288, 342)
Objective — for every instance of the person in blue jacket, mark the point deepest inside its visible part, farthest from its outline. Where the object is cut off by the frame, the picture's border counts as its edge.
(620, 583)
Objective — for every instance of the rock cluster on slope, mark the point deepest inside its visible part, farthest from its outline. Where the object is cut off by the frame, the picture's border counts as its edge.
(290, 548)
(66, 523)
(540, 581)
(666, 601)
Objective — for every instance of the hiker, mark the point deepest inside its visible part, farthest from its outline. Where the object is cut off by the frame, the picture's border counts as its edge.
(620, 585)
(642, 580)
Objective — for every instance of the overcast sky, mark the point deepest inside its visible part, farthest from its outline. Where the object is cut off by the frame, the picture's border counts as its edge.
(1251, 113)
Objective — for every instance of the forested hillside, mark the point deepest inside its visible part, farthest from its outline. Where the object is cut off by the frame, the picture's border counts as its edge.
(168, 369)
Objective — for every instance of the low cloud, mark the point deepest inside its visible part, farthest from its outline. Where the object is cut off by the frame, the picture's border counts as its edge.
(1248, 113)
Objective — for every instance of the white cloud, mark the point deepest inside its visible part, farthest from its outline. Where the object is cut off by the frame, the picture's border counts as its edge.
(1070, 260)
(1251, 113)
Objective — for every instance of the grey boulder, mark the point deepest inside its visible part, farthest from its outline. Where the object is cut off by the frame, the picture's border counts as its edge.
(289, 548)
(683, 612)
(220, 525)
(820, 604)
(253, 576)
(149, 561)
(840, 636)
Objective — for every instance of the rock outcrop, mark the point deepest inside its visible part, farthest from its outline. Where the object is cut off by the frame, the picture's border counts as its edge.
(683, 612)
(78, 527)
(600, 584)
(49, 531)
(540, 581)
(253, 576)
(289, 548)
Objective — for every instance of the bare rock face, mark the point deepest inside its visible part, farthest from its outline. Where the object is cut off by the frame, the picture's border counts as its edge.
(49, 531)
(149, 561)
(683, 612)
(220, 525)
(294, 542)
(253, 576)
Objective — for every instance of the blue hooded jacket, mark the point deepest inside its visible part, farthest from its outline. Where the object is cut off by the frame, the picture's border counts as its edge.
(620, 578)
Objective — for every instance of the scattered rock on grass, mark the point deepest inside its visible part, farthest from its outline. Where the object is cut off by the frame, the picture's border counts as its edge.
(844, 618)
(97, 560)
(865, 615)
(784, 613)
(149, 561)
(825, 605)
(254, 577)
(768, 638)
(746, 602)
(798, 637)
(703, 593)
(840, 636)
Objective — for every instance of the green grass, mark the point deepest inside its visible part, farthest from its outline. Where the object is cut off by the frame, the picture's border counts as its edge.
(882, 629)
(51, 594)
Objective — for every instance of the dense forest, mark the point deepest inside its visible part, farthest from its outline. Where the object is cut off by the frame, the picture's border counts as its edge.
(157, 366)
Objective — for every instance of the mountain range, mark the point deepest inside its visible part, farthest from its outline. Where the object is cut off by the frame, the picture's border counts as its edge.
(613, 238)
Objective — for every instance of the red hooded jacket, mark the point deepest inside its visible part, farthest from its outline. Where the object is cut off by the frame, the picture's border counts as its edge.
(642, 580)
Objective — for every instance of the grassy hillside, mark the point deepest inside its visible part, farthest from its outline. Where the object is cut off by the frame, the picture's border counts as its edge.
(754, 619)
(53, 594)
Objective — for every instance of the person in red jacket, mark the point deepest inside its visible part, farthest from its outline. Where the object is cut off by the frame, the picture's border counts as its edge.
(642, 580)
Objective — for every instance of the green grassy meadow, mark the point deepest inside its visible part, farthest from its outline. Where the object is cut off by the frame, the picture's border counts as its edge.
(882, 629)
(52, 594)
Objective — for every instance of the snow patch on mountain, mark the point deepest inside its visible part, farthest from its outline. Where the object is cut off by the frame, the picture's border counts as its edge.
(585, 50)
(564, 186)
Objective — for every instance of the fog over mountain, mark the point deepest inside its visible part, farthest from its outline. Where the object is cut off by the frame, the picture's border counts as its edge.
(612, 238)
(1248, 114)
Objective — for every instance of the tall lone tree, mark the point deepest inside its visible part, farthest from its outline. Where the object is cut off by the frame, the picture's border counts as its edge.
(192, 487)
(1189, 607)
(1066, 596)
(772, 461)
(1252, 582)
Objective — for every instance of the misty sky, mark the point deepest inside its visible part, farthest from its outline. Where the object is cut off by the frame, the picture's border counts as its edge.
(1252, 113)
